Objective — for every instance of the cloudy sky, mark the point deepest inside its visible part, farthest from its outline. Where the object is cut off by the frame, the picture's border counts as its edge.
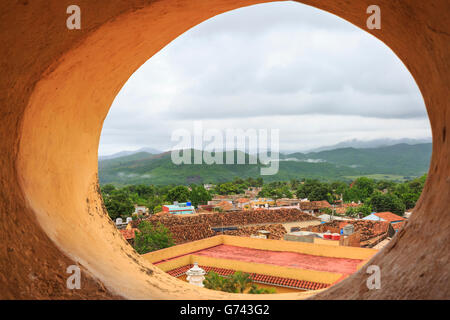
(287, 66)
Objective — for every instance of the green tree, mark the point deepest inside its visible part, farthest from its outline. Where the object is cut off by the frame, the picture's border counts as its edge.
(409, 192)
(239, 282)
(387, 202)
(259, 182)
(153, 203)
(339, 188)
(365, 210)
(107, 189)
(314, 190)
(199, 195)
(152, 237)
(228, 188)
(214, 281)
(384, 184)
(118, 204)
(256, 290)
(179, 193)
(295, 183)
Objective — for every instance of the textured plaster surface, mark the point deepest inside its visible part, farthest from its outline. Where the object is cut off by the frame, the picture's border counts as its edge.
(56, 87)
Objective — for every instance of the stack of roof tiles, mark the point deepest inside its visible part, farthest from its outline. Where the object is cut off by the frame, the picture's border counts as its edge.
(188, 233)
(189, 228)
(314, 205)
(277, 231)
(368, 229)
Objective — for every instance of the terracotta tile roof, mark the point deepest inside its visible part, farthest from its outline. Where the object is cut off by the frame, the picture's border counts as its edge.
(273, 280)
(225, 205)
(313, 205)
(389, 216)
(243, 200)
(397, 226)
(128, 234)
(341, 210)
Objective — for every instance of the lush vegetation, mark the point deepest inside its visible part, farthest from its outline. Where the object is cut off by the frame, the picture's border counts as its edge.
(151, 237)
(376, 195)
(239, 282)
(120, 202)
(399, 163)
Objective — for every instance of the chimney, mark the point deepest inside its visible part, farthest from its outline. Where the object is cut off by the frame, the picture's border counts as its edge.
(196, 275)
(348, 229)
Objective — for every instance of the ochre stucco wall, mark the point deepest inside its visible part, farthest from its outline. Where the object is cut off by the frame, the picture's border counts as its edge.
(187, 253)
(56, 87)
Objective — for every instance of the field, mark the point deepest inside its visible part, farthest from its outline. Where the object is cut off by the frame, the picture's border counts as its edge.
(380, 176)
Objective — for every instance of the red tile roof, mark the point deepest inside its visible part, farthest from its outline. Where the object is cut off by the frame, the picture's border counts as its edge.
(397, 226)
(389, 216)
(128, 234)
(273, 280)
(225, 205)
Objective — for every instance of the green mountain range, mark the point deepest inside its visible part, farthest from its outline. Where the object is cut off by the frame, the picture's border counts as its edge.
(397, 162)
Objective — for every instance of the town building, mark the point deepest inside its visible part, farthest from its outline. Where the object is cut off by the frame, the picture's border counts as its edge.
(121, 224)
(129, 234)
(208, 186)
(286, 202)
(140, 210)
(217, 199)
(327, 218)
(242, 203)
(261, 203)
(312, 207)
(286, 266)
(369, 233)
(395, 220)
(205, 207)
(225, 206)
(179, 208)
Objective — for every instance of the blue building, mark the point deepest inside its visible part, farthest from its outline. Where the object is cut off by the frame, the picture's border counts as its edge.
(179, 208)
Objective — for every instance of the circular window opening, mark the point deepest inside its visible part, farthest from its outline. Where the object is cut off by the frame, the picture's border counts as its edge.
(303, 129)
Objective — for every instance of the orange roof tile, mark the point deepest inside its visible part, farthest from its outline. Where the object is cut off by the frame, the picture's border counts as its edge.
(389, 216)
(128, 234)
(273, 280)
(225, 205)
(397, 226)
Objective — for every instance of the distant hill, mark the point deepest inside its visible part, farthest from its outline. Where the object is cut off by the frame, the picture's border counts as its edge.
(392, 162)
(127, 153)
(376, 143)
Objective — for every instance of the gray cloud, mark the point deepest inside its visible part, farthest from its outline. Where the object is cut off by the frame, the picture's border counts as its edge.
(281, 64)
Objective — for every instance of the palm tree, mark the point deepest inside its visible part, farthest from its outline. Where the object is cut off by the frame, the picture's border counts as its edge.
(239, 282)
(242, 280)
